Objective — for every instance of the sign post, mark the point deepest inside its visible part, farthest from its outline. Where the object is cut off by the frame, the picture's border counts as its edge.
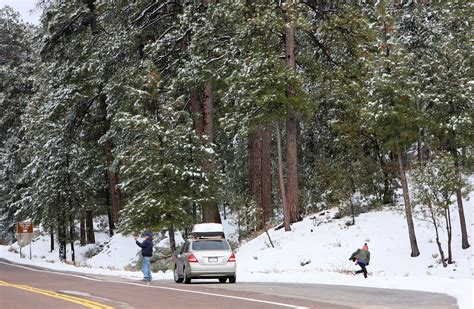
(24, 227)
(20, 246)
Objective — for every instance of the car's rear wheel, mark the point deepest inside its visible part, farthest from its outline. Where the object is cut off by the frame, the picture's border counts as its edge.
(232, 279)
(186, 279)
(223, 280)
(177, 279)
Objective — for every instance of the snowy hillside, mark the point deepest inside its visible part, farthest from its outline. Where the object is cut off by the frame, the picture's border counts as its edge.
(327, 247)
(322, 256)
(315, 251)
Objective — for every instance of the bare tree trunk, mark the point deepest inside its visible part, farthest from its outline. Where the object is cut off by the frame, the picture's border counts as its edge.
(292, 165)
(51, 238)
(90, 227)
(255, 171)
(419, 150)
(435, 224)
(449, 231)
(286, 213)
(254, 166)
(195, 213)
(353, 190)
(269, 238)
(70, 209)
(208, 113)
(408, 211)
(352, 212)
(62, 248)
(72, 236)
(110, 217)
(260, 186)
(210, 211)
(462, 218)
(115, 195)
(266, 175)
(172, 239)
(112, 175)
(62, 237)
(82, 229)
(291, 129)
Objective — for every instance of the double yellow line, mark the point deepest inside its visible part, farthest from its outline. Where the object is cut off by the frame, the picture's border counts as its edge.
(72, 299)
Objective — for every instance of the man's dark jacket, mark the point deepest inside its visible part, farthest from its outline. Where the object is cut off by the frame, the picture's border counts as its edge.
(147, 247)
(361, 256)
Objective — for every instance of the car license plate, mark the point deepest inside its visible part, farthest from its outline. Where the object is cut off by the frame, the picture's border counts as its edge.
(213, 260)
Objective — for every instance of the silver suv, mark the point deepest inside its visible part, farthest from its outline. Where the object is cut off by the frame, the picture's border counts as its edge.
(203, 258)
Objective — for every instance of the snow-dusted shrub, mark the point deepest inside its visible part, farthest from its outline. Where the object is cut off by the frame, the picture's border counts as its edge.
(93, 251)
(341, 268)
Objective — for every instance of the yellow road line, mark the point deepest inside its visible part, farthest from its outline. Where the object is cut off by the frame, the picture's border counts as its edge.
(72, 299)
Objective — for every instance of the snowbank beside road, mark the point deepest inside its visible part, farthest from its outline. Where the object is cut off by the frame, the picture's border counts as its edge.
(314, 251)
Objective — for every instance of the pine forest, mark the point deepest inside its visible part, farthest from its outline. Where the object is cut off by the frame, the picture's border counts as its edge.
(159, 114)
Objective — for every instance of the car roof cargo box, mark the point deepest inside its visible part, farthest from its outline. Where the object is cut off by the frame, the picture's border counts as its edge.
(208, 230)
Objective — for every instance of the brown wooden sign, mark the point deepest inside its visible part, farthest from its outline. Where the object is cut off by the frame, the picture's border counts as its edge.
(24, 227)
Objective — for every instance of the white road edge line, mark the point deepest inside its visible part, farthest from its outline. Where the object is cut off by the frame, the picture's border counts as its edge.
(51, 272)
(213, 294)
(164, 288)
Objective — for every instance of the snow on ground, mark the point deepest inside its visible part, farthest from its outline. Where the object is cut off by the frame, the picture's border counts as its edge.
(117, 254)
(314, 251)
(322, 256)
(328, 247)
(317, 251)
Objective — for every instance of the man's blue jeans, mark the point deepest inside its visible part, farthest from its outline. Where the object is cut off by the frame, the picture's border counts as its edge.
(363, 270)
(146, 268)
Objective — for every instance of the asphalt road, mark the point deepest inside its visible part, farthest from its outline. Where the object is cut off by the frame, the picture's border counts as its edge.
(32, 287)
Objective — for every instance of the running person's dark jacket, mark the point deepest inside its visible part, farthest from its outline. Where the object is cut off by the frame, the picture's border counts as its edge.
(147, 247)
(361, 255)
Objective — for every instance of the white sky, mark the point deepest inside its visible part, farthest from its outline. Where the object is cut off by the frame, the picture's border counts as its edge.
(26, 8)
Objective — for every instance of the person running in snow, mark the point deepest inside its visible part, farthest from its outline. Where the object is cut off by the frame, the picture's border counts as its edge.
(362, 258)
(147, 253)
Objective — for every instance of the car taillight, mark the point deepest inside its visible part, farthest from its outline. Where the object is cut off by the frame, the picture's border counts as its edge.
(192, 259)
(231, 258)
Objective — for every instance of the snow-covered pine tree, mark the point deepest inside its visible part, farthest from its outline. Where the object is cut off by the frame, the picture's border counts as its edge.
(16, 88)
(440, 34)
(340, 155)
(391, 111)
(161, 171)
(434, 35)
(62, 142)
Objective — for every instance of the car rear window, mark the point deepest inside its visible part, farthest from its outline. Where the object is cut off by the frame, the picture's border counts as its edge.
(210, 245)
